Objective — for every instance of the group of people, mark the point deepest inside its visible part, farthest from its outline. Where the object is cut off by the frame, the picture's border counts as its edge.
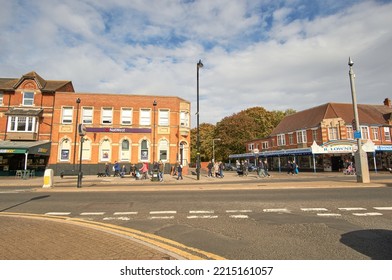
(262, 169)
(142, 173)
(292, 167)
(215, 169)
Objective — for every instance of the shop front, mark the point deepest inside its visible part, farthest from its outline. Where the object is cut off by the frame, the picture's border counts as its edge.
(26, 156)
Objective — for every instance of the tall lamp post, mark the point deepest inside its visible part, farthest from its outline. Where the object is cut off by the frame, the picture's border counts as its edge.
(213, 148)
(361, 161)
(198, 66)
(153, 134)
(76, 131)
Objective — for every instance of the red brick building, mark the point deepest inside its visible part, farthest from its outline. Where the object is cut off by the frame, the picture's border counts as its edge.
(39, 120)
(322, 138)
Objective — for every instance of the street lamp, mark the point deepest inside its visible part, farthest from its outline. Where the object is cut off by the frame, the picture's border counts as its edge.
(361, 161)
(153, 135)
(76, 130)
(80, 174)
(198, 66)
(213, 148)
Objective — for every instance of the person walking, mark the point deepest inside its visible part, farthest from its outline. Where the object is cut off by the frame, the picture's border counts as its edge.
(179, 171)
(161, 168)
(107, 168)
(260, 169)
(290, 169)
(266, 168)
(209, 167)
(144, 170)
(123, 171)
(116, 169)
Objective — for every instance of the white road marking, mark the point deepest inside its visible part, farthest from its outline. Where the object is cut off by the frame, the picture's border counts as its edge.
(352, 209)
(161, 217)
(383, 208)
(125, 213)
(92, 213)
(328, 215)
(58, 213)
(116, 218)
(314, 209)
(202, 217)
(201, 212)
(162, 212)
(276, 210)
(367, 214)
(239, 216)
(238, 211)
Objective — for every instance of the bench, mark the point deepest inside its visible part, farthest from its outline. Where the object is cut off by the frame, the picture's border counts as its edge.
(69, 173)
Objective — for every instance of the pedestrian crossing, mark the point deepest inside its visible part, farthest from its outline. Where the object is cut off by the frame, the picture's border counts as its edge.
(209, 214)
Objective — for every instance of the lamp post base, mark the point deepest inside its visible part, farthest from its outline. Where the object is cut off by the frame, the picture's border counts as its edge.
(361, 166)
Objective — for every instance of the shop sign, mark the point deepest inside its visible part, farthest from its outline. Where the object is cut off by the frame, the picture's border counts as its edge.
(12, 151)
(118, 130)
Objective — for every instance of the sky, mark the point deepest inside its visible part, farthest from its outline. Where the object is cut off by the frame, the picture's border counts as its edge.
(277, 54)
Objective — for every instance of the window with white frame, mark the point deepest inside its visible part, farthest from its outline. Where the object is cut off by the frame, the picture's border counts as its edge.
(250, 147)
(163, 117)
(65, 148)
(332, 133)
(375, 133)
(184, 119)
(291, 139)
(126, 116)
(264, 145)
(86, 152)
(125, 150)
(105, 150)
(107, 116)
(387, 134)
(144, 150)
(67, 115)
(22, 124)
(314, 135)
(350, 132)
(1, 97)
(163, 150)
(364, 132)
(28, 98)
(145, 116)
(281, 140)
(87, 115)
(301, 136)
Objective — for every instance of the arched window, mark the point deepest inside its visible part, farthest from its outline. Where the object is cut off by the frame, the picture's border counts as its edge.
(86, 154)
(105, 150)
(125, 153)
(163, 149)
(64, 149)
(144, 150)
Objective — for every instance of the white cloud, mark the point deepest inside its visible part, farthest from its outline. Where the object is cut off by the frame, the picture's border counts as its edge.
(279, 55)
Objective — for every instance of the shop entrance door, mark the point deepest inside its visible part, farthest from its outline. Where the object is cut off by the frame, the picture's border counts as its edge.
(336, 163)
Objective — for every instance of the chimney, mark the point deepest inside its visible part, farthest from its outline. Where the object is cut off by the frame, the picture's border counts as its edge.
(387, 102)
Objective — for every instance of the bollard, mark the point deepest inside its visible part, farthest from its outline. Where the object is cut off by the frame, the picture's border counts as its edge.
(48, 178)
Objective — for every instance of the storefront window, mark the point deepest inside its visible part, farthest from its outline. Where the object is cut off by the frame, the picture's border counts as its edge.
(144, 150)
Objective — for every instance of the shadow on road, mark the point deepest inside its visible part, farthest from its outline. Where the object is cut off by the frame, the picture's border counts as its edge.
(31, 199)
(375, 243)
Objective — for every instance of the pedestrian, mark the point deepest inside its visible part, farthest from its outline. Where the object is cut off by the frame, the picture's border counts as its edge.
(123, 171)
(245, 167)
(179, 171)
(216, 170)
(295, 168)
(107, 174)
(290, 169)
(266, 168)
(209, 167)
(260, 169)
(161, 168)
(221, 167)
(144, 170)
(116, 169)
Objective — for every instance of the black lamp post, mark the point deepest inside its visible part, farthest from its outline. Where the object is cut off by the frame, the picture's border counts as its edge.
(80, 174)
(76, 131)
(153, 134)
(198, 66)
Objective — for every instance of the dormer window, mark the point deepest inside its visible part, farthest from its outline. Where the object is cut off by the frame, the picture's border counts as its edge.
(28, 98)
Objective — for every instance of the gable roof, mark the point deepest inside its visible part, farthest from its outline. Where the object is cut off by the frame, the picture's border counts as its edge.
(367, 114)
(11, 84)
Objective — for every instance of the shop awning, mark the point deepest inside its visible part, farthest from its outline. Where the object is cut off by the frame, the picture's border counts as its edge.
(23, 147)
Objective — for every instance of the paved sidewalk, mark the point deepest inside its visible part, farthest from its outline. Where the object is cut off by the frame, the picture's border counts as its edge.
(35, 237)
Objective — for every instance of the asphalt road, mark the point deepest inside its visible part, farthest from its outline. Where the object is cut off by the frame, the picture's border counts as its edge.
(327, 223)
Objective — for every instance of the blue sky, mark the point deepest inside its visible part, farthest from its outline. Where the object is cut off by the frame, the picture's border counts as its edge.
(269, 53)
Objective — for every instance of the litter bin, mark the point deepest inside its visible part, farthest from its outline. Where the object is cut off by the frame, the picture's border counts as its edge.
(155, 176)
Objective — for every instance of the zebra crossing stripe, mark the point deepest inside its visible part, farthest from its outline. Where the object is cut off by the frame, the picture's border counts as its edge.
(367, 214)
(276, 210)
(58, 213)
(353, 209)
(125, 213)
(161, 217)
(162, 212)
(314, 209)
(383, 208)
(202, 217)
(92, 213)
(239, 216)
(201, 212)
(328, 215)
(238, 211)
